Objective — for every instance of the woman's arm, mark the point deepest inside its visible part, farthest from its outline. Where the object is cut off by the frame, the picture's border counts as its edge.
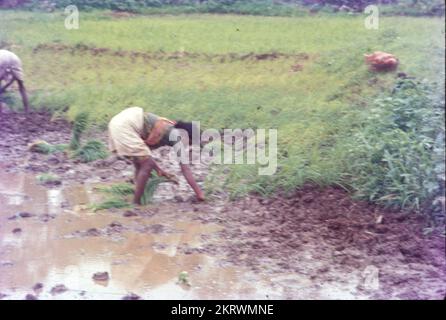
(3, 89)
(24, 95)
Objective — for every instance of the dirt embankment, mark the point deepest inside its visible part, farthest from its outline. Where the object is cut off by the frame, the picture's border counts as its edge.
(319, 235)
(161, 55)
(325, 235)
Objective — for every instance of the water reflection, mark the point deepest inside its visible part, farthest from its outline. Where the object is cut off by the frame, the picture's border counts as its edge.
(140, 261)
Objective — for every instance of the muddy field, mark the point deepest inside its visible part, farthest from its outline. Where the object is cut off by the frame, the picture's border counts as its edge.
(314, 244)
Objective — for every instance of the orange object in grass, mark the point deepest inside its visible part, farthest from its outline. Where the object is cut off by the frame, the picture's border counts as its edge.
(381, 61)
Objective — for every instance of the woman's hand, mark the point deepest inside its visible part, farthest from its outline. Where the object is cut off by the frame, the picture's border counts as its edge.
(190, 179)
(168, 176)
(200, 196)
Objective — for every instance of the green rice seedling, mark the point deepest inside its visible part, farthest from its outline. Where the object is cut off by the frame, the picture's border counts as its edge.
(41, 146)
(313, 86)
(48, 178)
(119, 189)
(91, 151)
(79, 125)
(151, 187)
(111, 203)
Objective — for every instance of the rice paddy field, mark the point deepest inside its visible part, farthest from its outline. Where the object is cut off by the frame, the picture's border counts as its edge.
(305, 76)
(355, 209)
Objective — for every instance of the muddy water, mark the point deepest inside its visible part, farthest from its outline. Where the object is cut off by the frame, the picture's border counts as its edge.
(142, 255)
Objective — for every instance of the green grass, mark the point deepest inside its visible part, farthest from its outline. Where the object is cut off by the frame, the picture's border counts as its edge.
(44, 147)
(246, 7)
(92, 150)
(150, 188)
(111, 203)
(119, 189)
(79, 126)
(118, 196)
(193, 70)
(45, 178)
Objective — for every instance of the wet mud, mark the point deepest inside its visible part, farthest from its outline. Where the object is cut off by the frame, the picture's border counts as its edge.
(314, 244)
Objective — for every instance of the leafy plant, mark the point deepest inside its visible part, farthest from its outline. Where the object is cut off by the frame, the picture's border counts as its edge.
(119, 189)
(41, 146)
(122, 190)
(183, 278)
(91, 151)
(307, 107)
(79, 125)
(48, 178)
(111, 203)
(150, 188)
(394, 158)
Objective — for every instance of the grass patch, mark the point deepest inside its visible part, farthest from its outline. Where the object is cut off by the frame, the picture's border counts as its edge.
(181, 67)
(48, 178)
(247, 7)
(118, 196)
(396, 156)
(111, 203)
(150, 188)
(91, 151)
(120, 192)
(119, 189)
(79, 126)
(44, 147)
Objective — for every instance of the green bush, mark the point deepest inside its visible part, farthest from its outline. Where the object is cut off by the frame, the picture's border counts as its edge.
(396, 156)
(416, 8)
(253, 7)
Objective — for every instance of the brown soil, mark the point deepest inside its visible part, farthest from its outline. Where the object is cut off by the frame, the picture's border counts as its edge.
(318, 235)
(322, 233)
(179, 55)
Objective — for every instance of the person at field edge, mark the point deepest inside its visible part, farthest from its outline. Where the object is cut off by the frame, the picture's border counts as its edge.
(10, 71)
(134, 133)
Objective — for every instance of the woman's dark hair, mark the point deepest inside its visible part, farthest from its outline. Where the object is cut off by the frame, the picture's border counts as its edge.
(188, 127)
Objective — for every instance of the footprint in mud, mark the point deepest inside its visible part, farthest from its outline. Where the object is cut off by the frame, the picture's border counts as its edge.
(6, 263)
(155, 229)
(92, 232)
(178, 198)
(111, 230)
(130, 213)
(23, 214)
(46, 217)
(114, 227)
(37, 288)
(159, 246)
(131, 296)
(58, 289)
(101, 276)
